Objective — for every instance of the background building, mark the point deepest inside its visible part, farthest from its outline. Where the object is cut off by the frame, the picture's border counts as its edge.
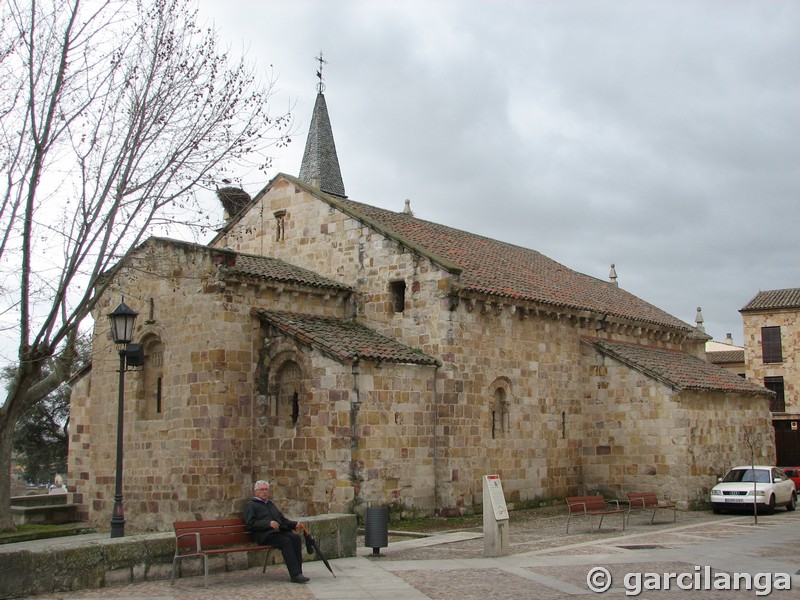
(772, 341)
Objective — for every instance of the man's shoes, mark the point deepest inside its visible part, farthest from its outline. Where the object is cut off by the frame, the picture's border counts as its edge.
(300, 579)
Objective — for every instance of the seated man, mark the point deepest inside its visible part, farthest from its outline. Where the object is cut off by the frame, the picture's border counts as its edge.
(269, 527)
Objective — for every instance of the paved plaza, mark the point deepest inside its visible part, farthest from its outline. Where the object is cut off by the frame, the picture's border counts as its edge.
(701, 550)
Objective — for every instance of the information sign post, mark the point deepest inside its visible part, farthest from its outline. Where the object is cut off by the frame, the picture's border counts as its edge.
(495, 517)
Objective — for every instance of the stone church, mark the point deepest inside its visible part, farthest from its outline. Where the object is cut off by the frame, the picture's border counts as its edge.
(357, 356)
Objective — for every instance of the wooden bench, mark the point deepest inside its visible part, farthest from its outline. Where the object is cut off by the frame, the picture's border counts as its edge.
(591, 506)
(649, 501)
(201, 539)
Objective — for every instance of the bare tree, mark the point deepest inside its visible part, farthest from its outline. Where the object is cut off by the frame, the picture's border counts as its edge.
(112, 113)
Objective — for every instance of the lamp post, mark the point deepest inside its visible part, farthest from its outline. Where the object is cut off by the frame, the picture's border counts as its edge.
(122, 321)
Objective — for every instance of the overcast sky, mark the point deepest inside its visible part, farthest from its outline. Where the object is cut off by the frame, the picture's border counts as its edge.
(663, 137)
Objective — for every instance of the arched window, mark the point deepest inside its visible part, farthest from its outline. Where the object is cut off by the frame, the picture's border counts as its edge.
(289, 380)
(500, 407)
(153, 376)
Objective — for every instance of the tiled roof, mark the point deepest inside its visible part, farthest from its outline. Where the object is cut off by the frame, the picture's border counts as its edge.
(676, 368)
(273, 269)
(774, 299)
(344, 340)
(259, 267)
(501, 269)
(722, 357)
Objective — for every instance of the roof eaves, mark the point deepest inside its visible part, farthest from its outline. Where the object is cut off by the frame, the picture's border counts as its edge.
(336, 352)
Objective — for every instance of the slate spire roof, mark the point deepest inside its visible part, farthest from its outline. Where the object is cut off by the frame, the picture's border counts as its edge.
(320, 166)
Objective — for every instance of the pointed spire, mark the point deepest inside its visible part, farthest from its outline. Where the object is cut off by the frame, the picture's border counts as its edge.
(612, 275)
(320, 166)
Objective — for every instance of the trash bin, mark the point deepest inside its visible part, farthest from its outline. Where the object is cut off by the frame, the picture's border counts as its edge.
(376, 528)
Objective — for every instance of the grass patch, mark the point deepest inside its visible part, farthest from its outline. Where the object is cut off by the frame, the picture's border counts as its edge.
(29, 532)
(438, 524)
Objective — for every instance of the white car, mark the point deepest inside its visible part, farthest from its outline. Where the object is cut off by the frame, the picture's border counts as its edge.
(770, 485)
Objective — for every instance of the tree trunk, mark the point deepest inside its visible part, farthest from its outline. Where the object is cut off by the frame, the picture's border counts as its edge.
(6, 521)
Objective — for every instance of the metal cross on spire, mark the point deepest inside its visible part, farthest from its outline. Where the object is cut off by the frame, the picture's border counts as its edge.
(321, 61)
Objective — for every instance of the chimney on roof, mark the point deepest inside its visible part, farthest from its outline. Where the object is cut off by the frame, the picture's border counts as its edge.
(729, 339)
(407, 209)
(699, 319)
(612, 275)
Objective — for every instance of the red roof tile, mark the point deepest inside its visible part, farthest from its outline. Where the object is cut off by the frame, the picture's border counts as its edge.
(273, 269)
(676, 368)
(510, 271)
(721, 357)
(343, 340)
(774, 299)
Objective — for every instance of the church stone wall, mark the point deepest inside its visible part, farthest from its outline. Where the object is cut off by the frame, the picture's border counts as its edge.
(539, 450)
(640, 435)
(193, 458)
(517, 394)
(364, 435)
(327, 241)
(531, 443)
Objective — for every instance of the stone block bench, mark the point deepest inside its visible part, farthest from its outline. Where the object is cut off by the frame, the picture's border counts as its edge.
(43, 509)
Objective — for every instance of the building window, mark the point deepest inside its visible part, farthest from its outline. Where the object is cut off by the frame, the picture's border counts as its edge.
(771, 345)
(151, 398)
(500, 409)
(398, 291)
(289, 382)
(775, 384)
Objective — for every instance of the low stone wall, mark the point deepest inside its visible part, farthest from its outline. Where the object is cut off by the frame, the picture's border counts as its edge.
(40, 500)
(40, 509)
(83, 562)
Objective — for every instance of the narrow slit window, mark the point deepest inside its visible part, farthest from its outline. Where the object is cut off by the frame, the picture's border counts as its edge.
(398, 290)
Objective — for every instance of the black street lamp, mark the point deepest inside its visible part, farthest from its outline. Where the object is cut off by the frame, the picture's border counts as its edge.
(122, 321)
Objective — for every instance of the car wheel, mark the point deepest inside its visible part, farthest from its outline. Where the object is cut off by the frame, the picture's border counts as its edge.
(717, 510)
(792, 504)
(771, 506)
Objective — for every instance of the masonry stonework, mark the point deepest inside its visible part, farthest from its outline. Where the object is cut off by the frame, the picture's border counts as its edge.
(352, 366)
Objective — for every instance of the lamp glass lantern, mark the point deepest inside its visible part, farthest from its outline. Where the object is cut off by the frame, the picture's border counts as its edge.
(122, 321)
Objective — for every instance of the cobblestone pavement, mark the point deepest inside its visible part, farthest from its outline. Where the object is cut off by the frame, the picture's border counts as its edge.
(706, 550)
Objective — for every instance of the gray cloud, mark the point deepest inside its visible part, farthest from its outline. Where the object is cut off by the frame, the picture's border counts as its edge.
(660, 136)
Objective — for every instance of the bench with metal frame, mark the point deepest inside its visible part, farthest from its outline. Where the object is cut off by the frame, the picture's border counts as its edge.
(591, 506)
(649, 501)
(201, 539)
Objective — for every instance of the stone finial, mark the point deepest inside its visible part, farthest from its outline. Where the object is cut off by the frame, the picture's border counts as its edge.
(612, 275)
(407, 210)
(698, 319)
